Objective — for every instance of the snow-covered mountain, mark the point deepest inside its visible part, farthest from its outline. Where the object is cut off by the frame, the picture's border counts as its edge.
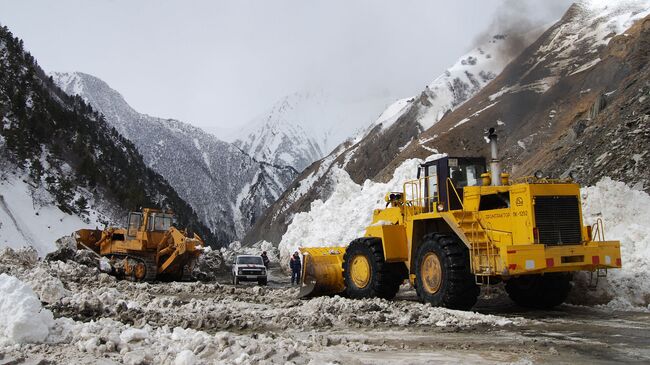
(396, 127)
(227, 188)
(554, 104)
(304, 127)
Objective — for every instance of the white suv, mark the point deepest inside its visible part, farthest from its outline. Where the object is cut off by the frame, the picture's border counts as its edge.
(249, 268)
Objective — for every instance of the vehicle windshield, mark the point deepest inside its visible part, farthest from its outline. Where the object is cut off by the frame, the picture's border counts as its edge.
(160, 222)
(464, 173)
(253, 260)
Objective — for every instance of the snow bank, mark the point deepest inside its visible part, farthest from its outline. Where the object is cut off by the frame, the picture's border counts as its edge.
(22, 318)
(26, 221)
(625, 213)
(345, 215)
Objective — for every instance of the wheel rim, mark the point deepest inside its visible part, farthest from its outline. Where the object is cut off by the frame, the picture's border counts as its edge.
(360, 271)
(431, 273)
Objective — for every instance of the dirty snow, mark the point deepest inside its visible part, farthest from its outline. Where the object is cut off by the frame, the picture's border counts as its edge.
(180, 323)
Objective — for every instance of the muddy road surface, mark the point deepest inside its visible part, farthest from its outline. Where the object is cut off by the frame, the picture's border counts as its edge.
(99, 319)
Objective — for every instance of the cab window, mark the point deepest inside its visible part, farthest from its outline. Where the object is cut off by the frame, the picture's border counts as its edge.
(464, 173)
(134, 223)
(160, 222)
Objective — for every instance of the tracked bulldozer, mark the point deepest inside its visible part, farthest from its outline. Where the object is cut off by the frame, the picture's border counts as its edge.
(149, 248)
(460, 225)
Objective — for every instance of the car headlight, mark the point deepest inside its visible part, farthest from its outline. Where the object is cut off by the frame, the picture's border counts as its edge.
(263, 272)
(239, 271)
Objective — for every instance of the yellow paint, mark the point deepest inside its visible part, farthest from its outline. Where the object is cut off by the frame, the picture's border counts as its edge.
(360, 271)
(431, 272)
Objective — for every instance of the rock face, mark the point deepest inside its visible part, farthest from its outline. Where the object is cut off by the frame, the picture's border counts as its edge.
(398, 127)
(574, 101)
(228, 189)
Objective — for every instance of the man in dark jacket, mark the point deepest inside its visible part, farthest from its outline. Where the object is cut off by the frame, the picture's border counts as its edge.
(265, 260)
(295, 266)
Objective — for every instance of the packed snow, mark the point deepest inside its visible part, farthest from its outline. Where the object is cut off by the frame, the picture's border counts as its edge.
(625, 213)
(22, 318)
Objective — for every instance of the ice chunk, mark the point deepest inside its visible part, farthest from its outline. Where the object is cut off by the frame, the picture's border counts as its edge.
(133, 334)
(22, 318)
(185, 357)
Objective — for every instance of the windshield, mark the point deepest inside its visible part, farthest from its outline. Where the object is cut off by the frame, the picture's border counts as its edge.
(160, 222)
(253, 260)
(465, 174)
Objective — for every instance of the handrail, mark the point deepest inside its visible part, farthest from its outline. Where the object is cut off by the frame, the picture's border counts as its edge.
(456, 192)
(536, 180)
(598, 230)
(417, 186)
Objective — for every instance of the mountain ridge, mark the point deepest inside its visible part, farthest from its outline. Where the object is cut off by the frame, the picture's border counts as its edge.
(227, 188)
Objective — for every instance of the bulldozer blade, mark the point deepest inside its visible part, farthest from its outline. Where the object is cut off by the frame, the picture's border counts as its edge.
(88, 239)
(306, 289)
(322, 271)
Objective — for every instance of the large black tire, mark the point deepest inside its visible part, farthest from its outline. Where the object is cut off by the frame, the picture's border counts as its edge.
(455, 286)
(539, 291)
(385, 278)
(262, 282)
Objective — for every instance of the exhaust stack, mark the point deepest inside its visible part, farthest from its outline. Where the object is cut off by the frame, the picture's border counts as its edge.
(495, 167)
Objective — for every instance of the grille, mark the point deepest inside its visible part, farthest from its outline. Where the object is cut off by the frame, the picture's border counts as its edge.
(558, 220)
(251, 272)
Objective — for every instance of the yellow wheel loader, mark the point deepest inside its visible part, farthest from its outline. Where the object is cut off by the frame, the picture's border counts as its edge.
(459, 226)
(149, 248)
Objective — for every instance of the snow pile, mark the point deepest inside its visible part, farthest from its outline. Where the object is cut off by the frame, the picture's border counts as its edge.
(625, 213)
(340, 312)
(235, 248)
(22, 318)
(346, 214)
(164, 345)
(209, 265)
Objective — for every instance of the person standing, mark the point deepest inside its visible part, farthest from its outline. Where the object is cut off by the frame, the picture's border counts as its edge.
(265, 260)
(295, 266)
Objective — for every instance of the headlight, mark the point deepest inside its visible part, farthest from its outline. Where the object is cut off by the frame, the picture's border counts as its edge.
(263, 272)
(539, 174)
(239, 271)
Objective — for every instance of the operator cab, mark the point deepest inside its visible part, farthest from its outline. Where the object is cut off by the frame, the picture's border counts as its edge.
(445, 176)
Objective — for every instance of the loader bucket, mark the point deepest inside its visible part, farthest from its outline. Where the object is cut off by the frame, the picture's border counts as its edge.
(322, 271)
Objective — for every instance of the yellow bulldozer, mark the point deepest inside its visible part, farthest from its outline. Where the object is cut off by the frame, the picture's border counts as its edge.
(149, 248)
(459, 226)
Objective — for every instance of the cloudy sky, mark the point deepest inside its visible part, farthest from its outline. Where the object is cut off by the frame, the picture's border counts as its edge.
(217, 64)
